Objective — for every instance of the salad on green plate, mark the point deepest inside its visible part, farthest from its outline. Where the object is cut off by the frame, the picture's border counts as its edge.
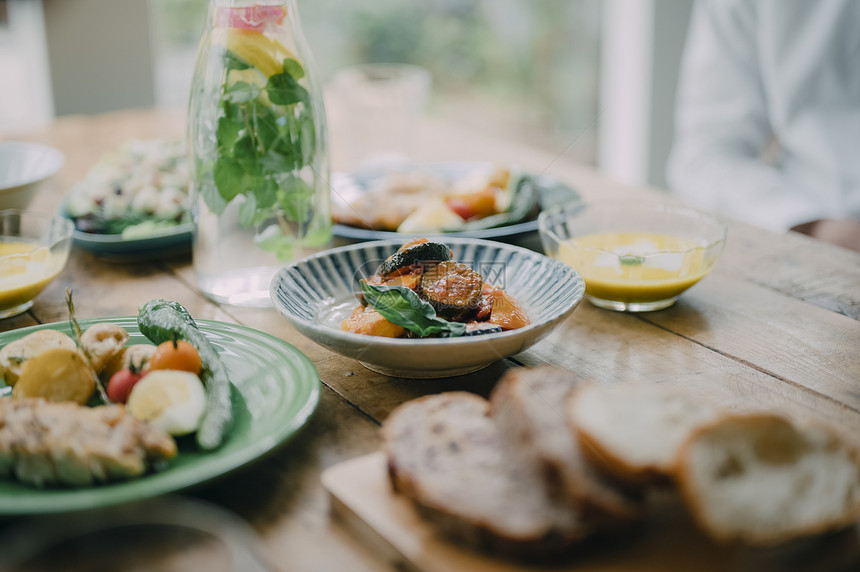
(274, 389)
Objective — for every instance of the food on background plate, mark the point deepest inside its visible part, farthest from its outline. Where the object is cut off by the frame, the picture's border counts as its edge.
(422, 202)
(137, 191)
(420, 292)
(498, 476)
(175, 388)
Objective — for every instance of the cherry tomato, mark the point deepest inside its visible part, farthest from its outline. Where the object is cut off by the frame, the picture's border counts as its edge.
(180, 356)
(121, 383)
(461, 207)
(470, 205)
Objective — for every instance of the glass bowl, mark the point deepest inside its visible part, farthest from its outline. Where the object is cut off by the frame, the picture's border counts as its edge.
(34, 248)
(634, 256)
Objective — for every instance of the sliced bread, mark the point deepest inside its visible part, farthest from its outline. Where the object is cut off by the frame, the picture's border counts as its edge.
(763, 480)
(633, 432)
(445, 454)
(528, 405)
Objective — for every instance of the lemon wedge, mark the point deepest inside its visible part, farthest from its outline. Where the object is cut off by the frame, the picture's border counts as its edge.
(432, 216)
(170, 400)
(264, 53)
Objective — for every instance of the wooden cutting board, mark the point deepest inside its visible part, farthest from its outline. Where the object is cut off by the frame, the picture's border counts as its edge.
(666, 541)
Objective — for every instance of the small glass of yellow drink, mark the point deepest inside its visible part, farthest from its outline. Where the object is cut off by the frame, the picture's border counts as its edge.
(634, 256)
(33, 250)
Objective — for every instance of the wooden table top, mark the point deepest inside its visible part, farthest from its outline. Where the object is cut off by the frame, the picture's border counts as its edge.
(775, 326)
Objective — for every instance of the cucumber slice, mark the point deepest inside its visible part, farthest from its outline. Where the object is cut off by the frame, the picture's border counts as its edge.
(423, 252)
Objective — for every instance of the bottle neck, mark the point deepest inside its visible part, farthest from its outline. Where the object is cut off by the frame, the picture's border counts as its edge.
(253, 14)
(289, 4)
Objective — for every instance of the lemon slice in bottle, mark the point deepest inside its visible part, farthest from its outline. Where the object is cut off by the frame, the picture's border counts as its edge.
(262, 52)
(173, 401)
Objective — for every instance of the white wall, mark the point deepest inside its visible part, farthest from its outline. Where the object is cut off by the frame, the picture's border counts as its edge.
(100, 55)
(25, 83)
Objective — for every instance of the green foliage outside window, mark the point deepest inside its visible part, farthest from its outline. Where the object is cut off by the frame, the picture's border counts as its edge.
(524, 70)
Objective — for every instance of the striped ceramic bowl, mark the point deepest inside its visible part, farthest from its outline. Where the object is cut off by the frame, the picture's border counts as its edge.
(314, 294)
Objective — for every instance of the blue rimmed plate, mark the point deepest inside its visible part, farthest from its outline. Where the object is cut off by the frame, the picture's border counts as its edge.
(276, 389)
(165, 243)
(314, 294)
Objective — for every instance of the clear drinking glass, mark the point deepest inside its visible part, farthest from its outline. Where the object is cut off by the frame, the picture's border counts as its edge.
(380, 106)
(635, 256)
(259, 150)
(34, 248)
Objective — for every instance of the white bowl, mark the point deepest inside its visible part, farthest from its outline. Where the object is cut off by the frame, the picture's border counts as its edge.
(23, 166)
(315, 293)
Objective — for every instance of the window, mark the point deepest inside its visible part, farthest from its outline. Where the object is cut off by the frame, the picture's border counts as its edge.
(525, 71)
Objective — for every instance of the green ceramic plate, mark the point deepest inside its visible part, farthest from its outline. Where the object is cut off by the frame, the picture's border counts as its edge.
(276, 389)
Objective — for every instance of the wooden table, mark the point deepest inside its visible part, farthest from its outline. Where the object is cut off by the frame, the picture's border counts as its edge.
(775, 326)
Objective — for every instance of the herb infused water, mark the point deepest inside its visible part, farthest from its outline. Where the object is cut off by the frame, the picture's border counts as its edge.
(259, 152)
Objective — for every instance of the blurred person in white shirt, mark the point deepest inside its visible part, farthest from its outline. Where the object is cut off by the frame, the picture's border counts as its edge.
(768, 118)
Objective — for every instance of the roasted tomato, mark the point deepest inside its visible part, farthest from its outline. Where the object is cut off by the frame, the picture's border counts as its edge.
(179, 355)
(366, 320)
(507, 312)
(473, 205)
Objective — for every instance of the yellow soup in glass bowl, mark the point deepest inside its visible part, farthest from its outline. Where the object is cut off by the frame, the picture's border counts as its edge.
(633, 257)
(33, 250)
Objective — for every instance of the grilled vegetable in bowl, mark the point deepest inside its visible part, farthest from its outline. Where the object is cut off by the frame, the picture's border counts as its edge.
(420, 292)
(316, 294)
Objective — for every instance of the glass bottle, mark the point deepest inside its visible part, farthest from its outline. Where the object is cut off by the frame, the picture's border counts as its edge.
(259, 150)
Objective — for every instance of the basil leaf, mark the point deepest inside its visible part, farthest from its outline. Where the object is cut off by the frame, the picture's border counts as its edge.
(247, 210)
(273, 239)
(233, 62)
(227, 133)
(294, 68)
(278, 162)
(283, 89)
(228, 178)
(403, 307)
(241, 92)
(296, 198)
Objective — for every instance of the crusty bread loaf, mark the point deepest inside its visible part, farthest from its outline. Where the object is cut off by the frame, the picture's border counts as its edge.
(446, 455)
(633, 431)
(528, 405)
(762, 480)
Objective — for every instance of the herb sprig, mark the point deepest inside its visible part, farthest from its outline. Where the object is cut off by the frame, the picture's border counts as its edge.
(264, 136)
(77, 333)
(402, 306)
